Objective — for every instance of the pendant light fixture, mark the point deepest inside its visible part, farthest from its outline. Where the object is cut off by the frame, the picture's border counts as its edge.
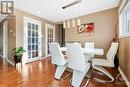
(64, 25)
(68, 24)
(79, 22)
(73, 22)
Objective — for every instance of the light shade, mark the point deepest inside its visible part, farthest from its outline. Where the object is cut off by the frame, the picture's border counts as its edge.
(73, 23)
(64, 24)
(68, 24)
(79, 22)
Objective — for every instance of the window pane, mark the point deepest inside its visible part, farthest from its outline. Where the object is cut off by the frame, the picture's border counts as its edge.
(128, 21)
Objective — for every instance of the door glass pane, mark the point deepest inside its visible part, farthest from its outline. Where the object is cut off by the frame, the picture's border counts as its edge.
(33, 47)
(36, 40)
(36, 53)
(29, 25)
(33, 33)
(29, 47)
(33, 40)
(29, 40)
(36, 34)
(29, 55)
(29, 32)
(37, 28)
(32, 26)
(36, 47)
(33, 54)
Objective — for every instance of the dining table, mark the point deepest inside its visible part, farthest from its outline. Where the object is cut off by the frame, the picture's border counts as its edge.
(88, 51)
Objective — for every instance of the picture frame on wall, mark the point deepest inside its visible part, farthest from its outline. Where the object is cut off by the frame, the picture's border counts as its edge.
(86, 29)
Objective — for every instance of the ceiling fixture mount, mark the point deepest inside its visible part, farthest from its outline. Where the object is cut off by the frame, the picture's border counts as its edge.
(71, 4)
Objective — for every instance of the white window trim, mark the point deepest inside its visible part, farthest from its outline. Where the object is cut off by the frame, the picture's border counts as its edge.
(122, 6)
(123, 34)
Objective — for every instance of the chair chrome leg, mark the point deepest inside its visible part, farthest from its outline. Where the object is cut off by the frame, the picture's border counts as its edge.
(87, 83)
(101, 69)
(66, 76)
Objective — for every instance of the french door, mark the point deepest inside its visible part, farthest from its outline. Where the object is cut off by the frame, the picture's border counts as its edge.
(50, 37)
(32, 39)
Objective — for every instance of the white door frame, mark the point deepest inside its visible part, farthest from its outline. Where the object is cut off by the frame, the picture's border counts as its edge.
(26, 19)
(46, 37)
(5, 40)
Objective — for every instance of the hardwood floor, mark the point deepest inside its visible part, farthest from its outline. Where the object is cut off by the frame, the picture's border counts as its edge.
(40, 74)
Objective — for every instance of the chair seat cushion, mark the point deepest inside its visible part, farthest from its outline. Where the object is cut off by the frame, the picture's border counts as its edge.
(101, 62)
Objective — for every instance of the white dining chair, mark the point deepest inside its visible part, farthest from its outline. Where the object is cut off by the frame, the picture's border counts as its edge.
(89, 45)
(77, 63)
(57, 58)
(98, 64)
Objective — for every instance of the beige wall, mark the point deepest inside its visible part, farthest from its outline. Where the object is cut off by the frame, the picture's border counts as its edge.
(11, 38)
(11, 35)
(124, 54)
(105, 24)
(19, 28)
(57, 33)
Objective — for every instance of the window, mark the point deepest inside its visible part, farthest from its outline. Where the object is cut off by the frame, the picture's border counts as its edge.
(125, 21)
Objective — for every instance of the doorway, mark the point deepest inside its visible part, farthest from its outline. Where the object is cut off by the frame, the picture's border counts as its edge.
(50, 37)
(5, 40)
(32, 39)
(62, 36)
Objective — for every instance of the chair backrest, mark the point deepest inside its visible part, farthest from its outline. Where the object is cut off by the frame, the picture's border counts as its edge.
(56, 54)
(76, 60)
(89, 45)
(112, 52)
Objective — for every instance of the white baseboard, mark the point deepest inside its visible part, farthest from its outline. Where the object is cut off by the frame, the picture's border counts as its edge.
(49, 55)
(124, 77)
(10, 62)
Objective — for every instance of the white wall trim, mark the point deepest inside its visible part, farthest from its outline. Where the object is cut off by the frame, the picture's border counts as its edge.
(125, 36)
(10, 62)
(122, 6)
(124, 77)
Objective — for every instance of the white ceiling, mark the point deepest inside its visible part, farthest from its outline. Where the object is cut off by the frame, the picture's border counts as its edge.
(52, 9)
